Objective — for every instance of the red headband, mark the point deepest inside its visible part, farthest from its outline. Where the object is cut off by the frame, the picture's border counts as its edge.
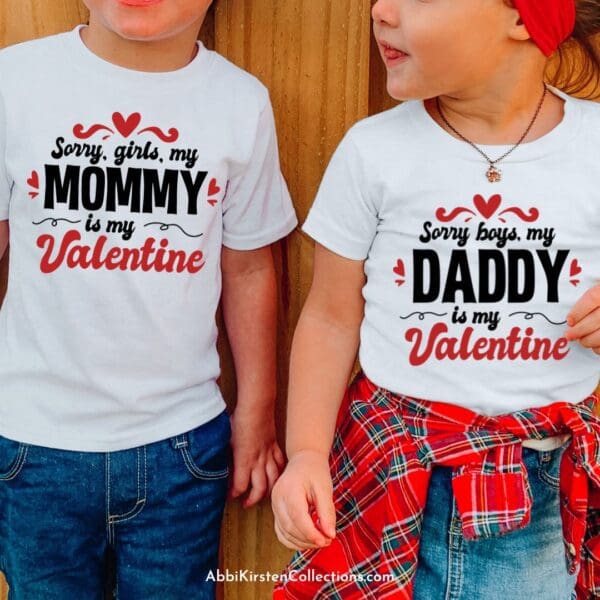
(549, 22)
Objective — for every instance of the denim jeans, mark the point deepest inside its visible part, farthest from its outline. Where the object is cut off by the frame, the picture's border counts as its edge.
(156, 508)
(526, 564)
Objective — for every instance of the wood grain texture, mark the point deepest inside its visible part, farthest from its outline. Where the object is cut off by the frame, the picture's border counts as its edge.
(314, 58)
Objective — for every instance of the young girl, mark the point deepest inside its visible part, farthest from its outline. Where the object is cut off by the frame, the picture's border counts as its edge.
(454, 234)
(139, 178)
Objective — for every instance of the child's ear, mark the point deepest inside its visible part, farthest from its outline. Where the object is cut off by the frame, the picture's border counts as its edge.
(517, 30)
(519, 33)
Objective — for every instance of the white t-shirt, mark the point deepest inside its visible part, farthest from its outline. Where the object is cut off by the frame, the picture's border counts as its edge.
(120, 188)
(468, 282)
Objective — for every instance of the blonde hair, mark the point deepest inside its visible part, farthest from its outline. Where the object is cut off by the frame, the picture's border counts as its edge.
(575, 68)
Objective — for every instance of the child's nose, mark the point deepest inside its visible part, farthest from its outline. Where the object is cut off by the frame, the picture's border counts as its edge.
(384, 12)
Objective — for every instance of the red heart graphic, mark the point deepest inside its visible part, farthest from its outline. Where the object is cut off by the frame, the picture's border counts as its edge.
(575, 268)
(33, 194)
(574, 282)
(126, 126)
(212, 202)
(487, 207)
(33, 180)
(399, 268)
(213, 188)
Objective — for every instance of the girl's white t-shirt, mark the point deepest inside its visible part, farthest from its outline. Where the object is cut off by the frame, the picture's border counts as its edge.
(120, 188)
(468, 282)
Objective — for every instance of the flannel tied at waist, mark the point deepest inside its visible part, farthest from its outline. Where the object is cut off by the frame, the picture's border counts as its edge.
(384, 448)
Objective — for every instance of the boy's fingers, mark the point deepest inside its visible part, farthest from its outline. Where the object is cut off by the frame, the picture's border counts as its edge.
(259, 486)
(241, 478)
(279, 457)
(272, 473)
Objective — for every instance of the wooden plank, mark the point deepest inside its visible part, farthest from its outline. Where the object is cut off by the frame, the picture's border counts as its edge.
(22, 20)
(314, 58)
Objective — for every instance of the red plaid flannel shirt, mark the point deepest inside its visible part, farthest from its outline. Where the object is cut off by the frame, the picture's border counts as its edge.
(384, 448)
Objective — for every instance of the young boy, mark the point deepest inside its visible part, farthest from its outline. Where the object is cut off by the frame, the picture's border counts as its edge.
(139, 177)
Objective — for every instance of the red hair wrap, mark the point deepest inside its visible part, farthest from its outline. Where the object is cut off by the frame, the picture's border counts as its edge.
(549, 22)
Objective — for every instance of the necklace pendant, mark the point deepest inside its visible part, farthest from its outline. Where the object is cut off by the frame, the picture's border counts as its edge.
(493, 174)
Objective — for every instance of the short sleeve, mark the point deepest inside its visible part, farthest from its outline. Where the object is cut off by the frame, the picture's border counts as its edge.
(342, 217)
(257, 209)
(4, 181)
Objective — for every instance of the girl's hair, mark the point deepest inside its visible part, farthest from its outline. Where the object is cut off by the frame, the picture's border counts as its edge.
(576, 66)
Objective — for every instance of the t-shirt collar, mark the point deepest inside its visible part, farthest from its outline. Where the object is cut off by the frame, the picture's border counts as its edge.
(552, 141)
(82, 56)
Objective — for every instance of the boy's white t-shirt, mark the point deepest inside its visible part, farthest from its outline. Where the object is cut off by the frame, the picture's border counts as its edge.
(120, 188)
(468, 282)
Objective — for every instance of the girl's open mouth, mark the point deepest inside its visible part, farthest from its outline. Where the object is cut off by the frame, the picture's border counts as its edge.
(391, 55)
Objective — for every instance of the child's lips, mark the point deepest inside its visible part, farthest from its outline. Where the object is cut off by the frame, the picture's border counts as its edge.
(391, 55)
(139, 2)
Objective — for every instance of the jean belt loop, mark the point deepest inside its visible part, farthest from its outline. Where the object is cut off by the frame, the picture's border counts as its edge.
(179, 441)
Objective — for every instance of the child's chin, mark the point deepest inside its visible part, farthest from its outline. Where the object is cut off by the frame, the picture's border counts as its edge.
(140, 29)
(400, 93)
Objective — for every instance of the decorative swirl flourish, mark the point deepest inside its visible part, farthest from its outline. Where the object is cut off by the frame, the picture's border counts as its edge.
(422, 315)
(442, 215)
(80, 132)
(529, 315)
(54, 221)
(170, 136)
(125, 125)
(487, 209)
(533, 214)
(165, 226)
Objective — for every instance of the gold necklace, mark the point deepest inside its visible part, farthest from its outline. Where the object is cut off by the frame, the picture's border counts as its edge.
(493, 174)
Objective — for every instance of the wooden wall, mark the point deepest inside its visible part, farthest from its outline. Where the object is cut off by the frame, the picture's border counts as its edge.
(314, 57)
(324, 73)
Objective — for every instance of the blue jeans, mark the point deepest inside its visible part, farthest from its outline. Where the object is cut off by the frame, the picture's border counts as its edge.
(157, 509)
(525, 564)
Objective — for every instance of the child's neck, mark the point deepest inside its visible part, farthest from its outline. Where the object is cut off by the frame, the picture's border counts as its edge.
(167, 54)
(500, 118)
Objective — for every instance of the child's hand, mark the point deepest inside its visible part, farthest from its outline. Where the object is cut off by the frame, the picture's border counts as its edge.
(302, 502)
(257, 458)
(584, 320)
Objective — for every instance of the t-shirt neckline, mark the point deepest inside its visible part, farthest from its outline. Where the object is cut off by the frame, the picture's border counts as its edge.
(82, 56)
(551, 141)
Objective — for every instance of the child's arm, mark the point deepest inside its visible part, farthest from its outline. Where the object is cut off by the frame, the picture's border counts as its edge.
(323, 353)
(249, 303)
(3, 237)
